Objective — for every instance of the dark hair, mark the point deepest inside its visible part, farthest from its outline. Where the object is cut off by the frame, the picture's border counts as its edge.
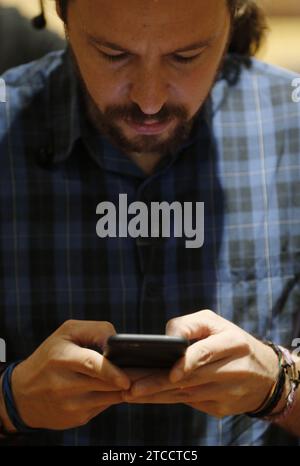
(247, 34)
(248, 27)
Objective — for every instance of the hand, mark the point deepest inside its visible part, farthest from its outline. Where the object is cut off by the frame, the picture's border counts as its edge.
(225, 372)
(62, 384)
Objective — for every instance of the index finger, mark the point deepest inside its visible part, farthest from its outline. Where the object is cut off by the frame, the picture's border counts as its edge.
(211, 349)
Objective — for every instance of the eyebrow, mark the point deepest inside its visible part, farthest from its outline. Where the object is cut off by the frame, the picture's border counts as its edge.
(194, 46)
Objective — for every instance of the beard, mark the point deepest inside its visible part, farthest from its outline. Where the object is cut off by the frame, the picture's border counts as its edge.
(105, 122)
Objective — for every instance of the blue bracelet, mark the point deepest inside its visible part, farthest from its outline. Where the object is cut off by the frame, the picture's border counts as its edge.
(10, 402)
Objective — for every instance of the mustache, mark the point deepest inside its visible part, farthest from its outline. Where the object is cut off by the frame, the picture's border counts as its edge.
(134, 113)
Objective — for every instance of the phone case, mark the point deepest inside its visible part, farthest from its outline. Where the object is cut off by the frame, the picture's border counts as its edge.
(145, 351)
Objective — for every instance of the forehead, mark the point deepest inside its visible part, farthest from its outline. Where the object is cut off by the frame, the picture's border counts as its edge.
(167, 21)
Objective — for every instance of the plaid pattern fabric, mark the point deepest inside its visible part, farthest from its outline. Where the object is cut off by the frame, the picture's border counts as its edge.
(242, 161)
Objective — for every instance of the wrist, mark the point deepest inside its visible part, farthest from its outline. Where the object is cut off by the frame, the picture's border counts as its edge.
(7, 426)
(282, 397)
(292, 375)
(276, 373)
(268, 382)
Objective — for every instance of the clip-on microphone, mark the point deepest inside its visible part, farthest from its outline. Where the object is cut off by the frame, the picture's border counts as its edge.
(39, 22)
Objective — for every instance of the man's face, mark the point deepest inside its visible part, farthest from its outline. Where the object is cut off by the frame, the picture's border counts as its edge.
(147, 66)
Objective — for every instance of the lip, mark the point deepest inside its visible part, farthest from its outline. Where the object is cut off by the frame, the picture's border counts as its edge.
(151, 128)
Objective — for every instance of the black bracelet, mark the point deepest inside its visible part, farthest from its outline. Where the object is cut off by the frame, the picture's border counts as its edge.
(3, 433)
(275, 399)
(10, 404)
(267, 409)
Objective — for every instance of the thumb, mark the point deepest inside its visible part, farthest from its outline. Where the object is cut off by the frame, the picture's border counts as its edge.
(80, 334)
(87, 333)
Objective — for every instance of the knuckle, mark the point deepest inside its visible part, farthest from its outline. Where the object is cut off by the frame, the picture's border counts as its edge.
(207, 313)
(89, 364)
(205, 356)
(172, 324)
(69, 325)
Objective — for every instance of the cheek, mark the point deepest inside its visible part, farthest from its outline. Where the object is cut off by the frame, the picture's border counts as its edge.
(199, 82)
(101, 88)
(99, 82)
(195, 88)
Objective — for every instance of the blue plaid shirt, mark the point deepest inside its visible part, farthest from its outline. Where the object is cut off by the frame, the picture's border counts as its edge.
(242, 160)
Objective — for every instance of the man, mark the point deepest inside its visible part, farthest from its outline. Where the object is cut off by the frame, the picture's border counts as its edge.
(20, 42)
(158, 100)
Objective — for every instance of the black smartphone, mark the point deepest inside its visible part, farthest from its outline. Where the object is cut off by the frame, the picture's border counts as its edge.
(144, 351)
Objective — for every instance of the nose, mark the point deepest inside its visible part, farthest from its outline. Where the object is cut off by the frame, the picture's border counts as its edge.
(149, 90)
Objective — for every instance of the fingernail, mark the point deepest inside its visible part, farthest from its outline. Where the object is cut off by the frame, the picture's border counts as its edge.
(176, 375)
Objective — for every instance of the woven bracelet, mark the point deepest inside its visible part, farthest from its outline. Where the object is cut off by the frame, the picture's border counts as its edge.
(294, 380)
